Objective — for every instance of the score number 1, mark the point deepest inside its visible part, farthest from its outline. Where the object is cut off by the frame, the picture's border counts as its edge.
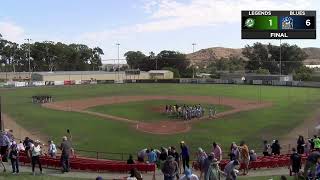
(270, 21)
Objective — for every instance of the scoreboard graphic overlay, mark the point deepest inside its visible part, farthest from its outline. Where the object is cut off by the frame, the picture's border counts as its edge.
(278, 25)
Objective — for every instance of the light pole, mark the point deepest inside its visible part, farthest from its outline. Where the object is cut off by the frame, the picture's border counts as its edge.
(193, 45)
(280, 58)
(28, 40)
(118, 44)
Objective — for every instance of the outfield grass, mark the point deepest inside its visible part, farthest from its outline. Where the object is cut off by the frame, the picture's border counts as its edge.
(291, 107)
(149, 111)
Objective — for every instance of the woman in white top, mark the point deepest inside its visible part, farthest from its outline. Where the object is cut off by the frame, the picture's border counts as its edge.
(36, 153)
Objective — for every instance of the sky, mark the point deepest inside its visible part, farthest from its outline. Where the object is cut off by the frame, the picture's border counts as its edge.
(144, 25)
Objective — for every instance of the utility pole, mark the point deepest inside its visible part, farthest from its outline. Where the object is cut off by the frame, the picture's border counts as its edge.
(118, 44)
(193, 45)
(1, 122)
(28, 40)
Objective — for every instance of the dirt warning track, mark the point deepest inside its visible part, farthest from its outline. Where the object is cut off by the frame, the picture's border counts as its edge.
(163, 127)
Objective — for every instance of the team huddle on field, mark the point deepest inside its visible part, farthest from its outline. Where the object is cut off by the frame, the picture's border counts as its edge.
(188, 112)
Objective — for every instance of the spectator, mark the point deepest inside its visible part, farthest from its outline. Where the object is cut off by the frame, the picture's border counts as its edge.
(217, 151)
(201, 157)
(234, 154)
(276, 148)
(188, 175)
(231, 171)
(66, 151)
(20, 146)
(10, 135)
(176, 156)
(317, 171)
(130, 160)
(169, 151)
(214, 172)
(4, 145)
(35, 155)
(170, 169)
(52, 151)
(316, 141)
(142, 155)
(206, 165)
(245, 158)
(152, 156)
(14, 157)
(300, 145)
(4, 168)
(253, 155)
(312, 160)
(266, 148)
(134, 175)
(185, 155)
(163, 156)
(27, 144)
(295, 162)
(311, 144)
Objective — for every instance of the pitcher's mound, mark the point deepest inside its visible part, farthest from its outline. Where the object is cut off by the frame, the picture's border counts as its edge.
(164, 127)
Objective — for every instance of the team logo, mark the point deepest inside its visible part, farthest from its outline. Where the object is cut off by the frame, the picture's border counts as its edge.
(249, 22)
(287, 23)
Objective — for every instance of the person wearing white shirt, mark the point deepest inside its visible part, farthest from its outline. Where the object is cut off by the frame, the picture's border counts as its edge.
(189, 176)
(36, 153)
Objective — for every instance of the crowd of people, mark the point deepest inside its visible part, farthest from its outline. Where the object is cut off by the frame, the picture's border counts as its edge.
(171, 160)
(188, 112)
(10, 149)
(42, 99)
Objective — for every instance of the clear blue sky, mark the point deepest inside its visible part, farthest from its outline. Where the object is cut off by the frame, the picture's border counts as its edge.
(145, 25)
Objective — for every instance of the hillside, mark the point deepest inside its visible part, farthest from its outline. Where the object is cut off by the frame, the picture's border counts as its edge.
(204, 56)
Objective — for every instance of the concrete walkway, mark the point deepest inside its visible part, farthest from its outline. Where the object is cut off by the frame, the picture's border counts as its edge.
(149, 176)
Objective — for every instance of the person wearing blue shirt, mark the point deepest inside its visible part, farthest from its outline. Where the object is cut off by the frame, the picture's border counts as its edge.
(152, 156)
(185, 155)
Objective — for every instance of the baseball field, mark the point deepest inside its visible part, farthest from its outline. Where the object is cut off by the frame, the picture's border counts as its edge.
(125, 118)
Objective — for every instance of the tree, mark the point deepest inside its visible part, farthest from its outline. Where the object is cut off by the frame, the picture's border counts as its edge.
(173, 59)
(231, 64)
(262, 71)
(303, 74)
(268, 57)
(257, 55)
(48, 56)
(135, 59)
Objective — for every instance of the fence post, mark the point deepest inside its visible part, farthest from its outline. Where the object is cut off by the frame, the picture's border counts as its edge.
(122, 156)
(289, 148)
(97, 155)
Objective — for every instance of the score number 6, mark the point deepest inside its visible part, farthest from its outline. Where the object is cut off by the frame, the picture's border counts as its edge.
(308, 23)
